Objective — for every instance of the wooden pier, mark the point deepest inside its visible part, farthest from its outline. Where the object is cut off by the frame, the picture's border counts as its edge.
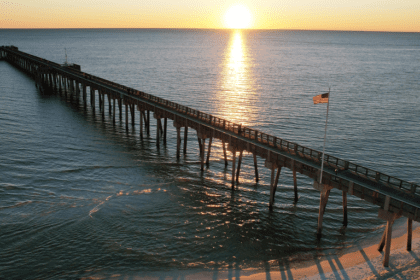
(396, 198)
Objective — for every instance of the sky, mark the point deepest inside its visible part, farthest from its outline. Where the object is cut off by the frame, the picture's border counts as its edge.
(356, 15)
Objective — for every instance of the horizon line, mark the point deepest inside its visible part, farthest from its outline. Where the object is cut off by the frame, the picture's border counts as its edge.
(203, 28)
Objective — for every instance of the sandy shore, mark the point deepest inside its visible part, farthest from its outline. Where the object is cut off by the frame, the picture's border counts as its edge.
(362, 263)
(366, 263)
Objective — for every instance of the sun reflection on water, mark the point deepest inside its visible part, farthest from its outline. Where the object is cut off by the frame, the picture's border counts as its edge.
(237, 93)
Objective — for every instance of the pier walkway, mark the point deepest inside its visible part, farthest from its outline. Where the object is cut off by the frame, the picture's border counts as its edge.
(396, 198)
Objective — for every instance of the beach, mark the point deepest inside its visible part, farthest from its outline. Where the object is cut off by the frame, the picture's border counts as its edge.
(365, 263)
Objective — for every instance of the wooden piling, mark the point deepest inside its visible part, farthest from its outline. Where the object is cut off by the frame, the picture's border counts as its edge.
(101, 93)
(239, 166)
(90, 93)
(109, 104)
(271, 184)
(382, 242)
(77, 92)
(388, 242)
(409, 233)
(157, 132)
(344, 208)
(120, 107)
(132, 111)
(64, 85)
(224, 153)
(165, 124)
(203, 149)
(295, 183)
(178, 141)
(71, 89)
(185, 138)
(46, 80)
(273, 188)
(101, 102)
(49, 80)
(199, 145)
(59, 84)
(84, 93)
(160, 127)
(148, 123)
(113, 110)
(387, 236)
(77, 89)
(256, 168)
(208, 152)
(143, 113)
(233, 168)
(141, 125)
(126, 116)
(325, 193)
(93, 98)
(102, 97)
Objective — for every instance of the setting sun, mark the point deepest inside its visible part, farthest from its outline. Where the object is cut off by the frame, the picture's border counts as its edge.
(238, 17)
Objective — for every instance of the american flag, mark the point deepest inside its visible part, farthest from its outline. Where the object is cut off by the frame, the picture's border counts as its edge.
(322, 98)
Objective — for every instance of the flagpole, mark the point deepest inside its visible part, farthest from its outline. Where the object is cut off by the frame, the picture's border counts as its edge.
(325, 138)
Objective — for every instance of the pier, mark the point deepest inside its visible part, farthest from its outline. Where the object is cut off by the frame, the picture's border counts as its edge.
(395, 198)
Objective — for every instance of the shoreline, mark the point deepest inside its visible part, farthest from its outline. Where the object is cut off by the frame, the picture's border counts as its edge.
(362, 263)
(358, 262)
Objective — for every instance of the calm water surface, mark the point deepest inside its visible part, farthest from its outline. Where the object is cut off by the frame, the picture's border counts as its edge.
(81, 197)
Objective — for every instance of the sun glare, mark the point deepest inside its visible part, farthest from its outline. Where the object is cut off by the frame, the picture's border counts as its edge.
(238, 17)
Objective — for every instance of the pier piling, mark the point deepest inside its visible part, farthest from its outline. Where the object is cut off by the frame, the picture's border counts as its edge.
(256, 168)
(224, 153)
(233, 168)
(185, 139)
(208, 152)
(239, 166)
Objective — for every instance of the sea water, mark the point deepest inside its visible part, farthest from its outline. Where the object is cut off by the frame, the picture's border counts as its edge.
(81, 196)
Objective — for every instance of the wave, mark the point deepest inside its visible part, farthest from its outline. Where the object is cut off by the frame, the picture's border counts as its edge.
(19, 204)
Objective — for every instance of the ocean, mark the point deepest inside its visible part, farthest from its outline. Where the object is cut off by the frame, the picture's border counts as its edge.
(82, 197)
